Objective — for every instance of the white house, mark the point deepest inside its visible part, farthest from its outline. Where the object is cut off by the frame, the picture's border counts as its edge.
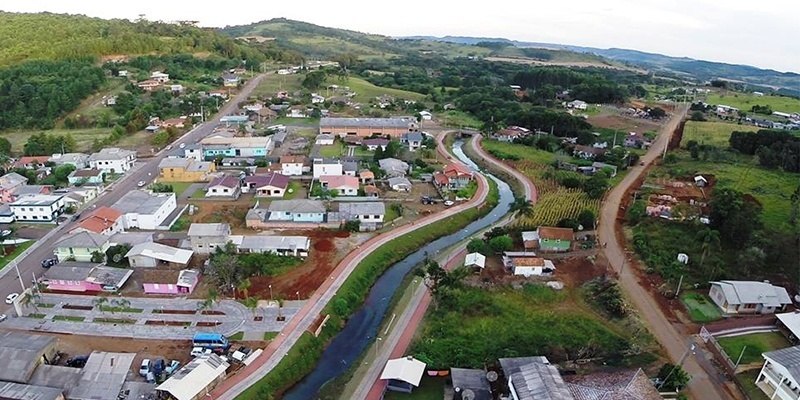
(317, 99)
(343, 185)
(577, 104)
(399, 184)
(371, 212)
(779, 377)
(529, 266)
(425, 115)
(79, 160)
(475, 260)
(324, 139)
(225, 186)
(403, 374)
(413, 140)
(151, 254)
(159, 76)
(144, 210)
(292, 165)
(748, 297)
(195, 379)
(38, 208)
(327, 167)
(113, 160)
(393, 167)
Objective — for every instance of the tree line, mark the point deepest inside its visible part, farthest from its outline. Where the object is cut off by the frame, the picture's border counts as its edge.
(774, 149)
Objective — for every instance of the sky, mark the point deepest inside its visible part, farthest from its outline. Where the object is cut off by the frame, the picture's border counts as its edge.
(762, 33)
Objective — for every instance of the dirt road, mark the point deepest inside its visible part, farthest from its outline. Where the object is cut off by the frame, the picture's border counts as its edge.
(703, 385)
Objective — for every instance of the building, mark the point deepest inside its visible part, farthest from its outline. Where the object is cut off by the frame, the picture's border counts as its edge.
(327, 167)
(393, 167)
(292, 165)
(588, 152)
(258, 146)
(196, 379)
(6, 215)
(412, 140)
(185, 170)
(577, 105)
(452, 177)
(103, 376)
(372, 144)
(470, 384)
(636, 140)
(146, 211)
(295, 246)
(270, 185)
(187, 281)
(529, 266)
(230, 80)
(779, 377)
(372, 191)
(206, 238)
(475, 260)
(159, 76)
(102, 220)
(90, 176)
(22, 352)
(342, 185)
(224, 186)
(149, 85)
(403, 374)
(511, 133)
(367, 127)
(324, 139)
(399, 184)
(748, 297)
(425, 115)
(38, 208)
(534, 378)
(350, 168)
(151, 254)
(366, 176)
(237, 120)
(549, 239)
(19, 391)
(79, 160)
(369, 213)
(9, 184)
(194, 151)
(297, 211)
(113, 160)
(80, 246)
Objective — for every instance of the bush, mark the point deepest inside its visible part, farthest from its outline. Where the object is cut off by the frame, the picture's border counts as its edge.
(607, 295)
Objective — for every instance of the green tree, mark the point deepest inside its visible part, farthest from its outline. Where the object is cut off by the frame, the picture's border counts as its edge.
(5, 147)
(478, 246)
(439, 281)
(97, 257)
(314, 80)
(224, 268)
(500, 244)
(709, 240)
(100, 302)
(251, 303)
(596, 186)
(734, 216)
(522, 207)
(672, 378)
(115, 255)
(587, 219)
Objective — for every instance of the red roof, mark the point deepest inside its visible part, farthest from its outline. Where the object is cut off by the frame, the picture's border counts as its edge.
(371, 189)
(455, 170)
(31, 160)
(271, 179)
(293, 159)
(441, 179)
(230, 182)
(339, 181)
(550, 232)
(100, 219)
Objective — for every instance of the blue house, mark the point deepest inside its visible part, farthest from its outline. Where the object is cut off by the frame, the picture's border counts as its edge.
(297, 211)
(236, 147)
(86, 176)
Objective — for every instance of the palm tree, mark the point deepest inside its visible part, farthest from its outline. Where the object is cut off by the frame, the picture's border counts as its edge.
(122, 304)
(31, 299)
(522, 207)
(244, 287)
(709, 238)
(100, 302)
(207, 304)
(251, 303)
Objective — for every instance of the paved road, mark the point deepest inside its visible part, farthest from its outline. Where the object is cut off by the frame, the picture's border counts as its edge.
(704, 385)
(145, 170)
(530, 190)
(303, 320)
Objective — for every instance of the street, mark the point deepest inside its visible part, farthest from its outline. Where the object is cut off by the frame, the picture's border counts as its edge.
(145, 170)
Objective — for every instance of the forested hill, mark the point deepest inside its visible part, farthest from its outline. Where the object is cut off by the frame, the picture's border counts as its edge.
(46, 36)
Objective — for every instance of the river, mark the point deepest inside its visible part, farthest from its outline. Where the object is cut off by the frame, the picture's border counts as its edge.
(359, 331)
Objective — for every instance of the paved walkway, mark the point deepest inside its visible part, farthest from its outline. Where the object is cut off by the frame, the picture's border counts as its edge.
(302, 321)
(236, 317)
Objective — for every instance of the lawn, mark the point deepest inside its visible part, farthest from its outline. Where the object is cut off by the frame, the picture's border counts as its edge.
(391, 212)
(306, 122)
(504, 150)
(746, 101)
(713, 133)
(7, 259)
(366, 91)
(68, 318)
(756, 343)
(747, 381)
(293, 190)
(700, 308)
(430, 388)
(83, 137)
(459, 119)
(178, 187)
(236, 337)
(272, 84)
(334, 151)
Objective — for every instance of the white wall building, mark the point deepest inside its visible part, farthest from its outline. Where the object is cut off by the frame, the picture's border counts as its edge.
(113, 160)
(38, 208)
(144, 210)
(327, 167)
(779, 378)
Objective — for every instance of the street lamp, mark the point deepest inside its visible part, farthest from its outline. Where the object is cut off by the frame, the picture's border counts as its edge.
(298, 295)
(270, 293)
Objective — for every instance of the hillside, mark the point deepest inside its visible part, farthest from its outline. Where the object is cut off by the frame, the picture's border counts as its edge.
(22, 38)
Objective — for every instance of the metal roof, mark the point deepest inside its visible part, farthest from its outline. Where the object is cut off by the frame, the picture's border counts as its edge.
(215, 229)
(37, 200)
(83, 240)
(112, 153)
(473, 380)
(141, 202)
(539, 381)
(161, 252)
(21, 352)
(195, 377)
(753, 292)
(18, 391)
(788, 358)
(365, 122)
(406, 369)
(297, 206)
(354, 209)
(272, 243)
(103, 376)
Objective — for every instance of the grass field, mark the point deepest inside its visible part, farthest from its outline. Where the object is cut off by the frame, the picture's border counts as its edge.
(747, 380)
(336, 150)
(555, 205)
(459, 119)
(700, 308)
(503, 150)
(7, 259)
(713, 133)
(366, 91)
(272, 84)
(756, 343)
(178, 187)
(83, 137)
(746, 101)
(429, 389)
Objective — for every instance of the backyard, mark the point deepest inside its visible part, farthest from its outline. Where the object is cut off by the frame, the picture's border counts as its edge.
(430, 388)
(700, 308)
(756, 343)
(178, 187)
(333, 151)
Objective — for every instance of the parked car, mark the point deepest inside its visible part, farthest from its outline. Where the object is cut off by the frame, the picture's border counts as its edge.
(448, 203)
(158, 366)
(5, 232)
(198, 351)
(3, 317)
(49, 262)
(182, 145)
(10, 298)
(144, 369)
(172, 367)
(77, 361)
(141, 184)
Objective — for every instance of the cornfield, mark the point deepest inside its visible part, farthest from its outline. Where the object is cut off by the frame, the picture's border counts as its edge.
(555, 205)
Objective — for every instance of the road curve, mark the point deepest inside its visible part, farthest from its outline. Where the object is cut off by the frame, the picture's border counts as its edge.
(303, 320)
(530, 189)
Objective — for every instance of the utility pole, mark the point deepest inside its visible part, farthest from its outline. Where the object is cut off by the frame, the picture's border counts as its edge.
(678, 291)
(21, 283)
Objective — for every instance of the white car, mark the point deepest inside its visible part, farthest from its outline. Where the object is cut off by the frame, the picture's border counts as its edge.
(10, 298)
(448, 203)
(141, 184)
(144, 369)
(182, 145)
(3, 317)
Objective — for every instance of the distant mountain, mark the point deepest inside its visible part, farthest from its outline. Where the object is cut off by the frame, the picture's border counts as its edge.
(682, 66)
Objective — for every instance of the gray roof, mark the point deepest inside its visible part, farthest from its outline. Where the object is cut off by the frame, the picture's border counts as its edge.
(274, 243)
(69, 271)
(209, 230)
(18, 391)
(12, 179)
(21, 352)
(350, 166)
(361, 208)
(399, 180)
(26, 190)
(175, 163)
(540, 381)
(112, 153)
(82, 240)
(85, 173)
(297, 206)
(752, 292)
(789, 358)
(37, 200)
(130, 238)
(413, 137)
(109, 276)
(365, 122)
(103, 376)
(55, 376)
(393, 165)
(74, 158)
(141, 202)
(473, 380)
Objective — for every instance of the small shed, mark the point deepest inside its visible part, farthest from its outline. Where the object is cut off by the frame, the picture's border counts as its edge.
(475, 260)
(196, 379)
(700, 181)
(403, 374)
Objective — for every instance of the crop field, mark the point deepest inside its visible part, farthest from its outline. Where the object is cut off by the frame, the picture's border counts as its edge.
(366, 91)
(83, 137)
(746, 101)
(556, 205)
(712, 133)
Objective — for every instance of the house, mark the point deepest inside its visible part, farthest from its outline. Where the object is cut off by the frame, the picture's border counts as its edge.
(9, 184)
(549, 239)
(425, 115)
(367, 213)
(31, 162)
(151, 254)
(79, 160)
(123, 73)
(185, 170)
(222, 94)
(194, 151)
(230, 80)
(6, 215)
(224, 186)
(529, 266)
(367, 127)
(366, 176)
(327, 167)
(297, 112)
(393, 167)
(270, 185)
(748, 297)
(31, 190)
(24, 353)
(187, 281)
(78, 196)
(89, 176)
(256, 146)
(511, 133)
(113, 160)
(412, 140)
(324, 139)
(149, 85)
(636, 140)
(206, 238)
(196, 379)
(292, 165)
(350, 168)
(353, 140)
(372, 191)
(373, 144)
(297, 211)
(178, 122)
(403, 374)
(146, 211)
(38, 208)
(399, 184)
(103, 220)
(342, 184)
(700, 181)
(588, 152)
(779, 377)
(238, 120)
(475, 260)
(80, 246)
(294, 246)
(176, 89)
(85, 277)
(453, 176)
(577, 105)
(159, 76)
(236, 162)
(317, 99)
